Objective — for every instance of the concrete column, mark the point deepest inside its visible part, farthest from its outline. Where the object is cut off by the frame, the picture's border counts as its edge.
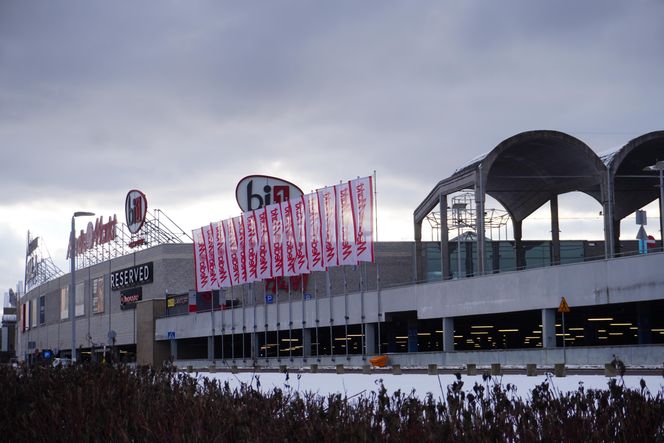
(549, 328)
(520, 252)
(644, 322)
(448, 334)
(174, 349)
(446, 271)
(306, 342)
(479, 219)
(417, 262)
(370, 337)
(555, 231)
(616, 238)
(412, 335)
(210, 350)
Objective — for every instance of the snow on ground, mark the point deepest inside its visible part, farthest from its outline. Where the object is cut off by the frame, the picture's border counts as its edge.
(353, 384)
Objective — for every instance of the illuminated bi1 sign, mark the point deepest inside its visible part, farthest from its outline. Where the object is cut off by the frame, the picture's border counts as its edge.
(256, 191)
(136, 207)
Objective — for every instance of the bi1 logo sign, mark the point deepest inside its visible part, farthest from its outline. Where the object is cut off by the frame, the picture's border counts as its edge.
(256, 191)
(136, 207)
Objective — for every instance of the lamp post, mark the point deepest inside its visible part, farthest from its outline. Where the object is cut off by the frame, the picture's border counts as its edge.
(458, 207)
(72, 285)
(659, 166)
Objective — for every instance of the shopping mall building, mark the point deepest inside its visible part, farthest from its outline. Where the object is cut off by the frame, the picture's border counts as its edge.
(458, 298)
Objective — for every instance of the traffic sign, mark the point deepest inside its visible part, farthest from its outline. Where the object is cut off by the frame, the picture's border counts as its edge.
(651, 242)
(564, 307)
(171, 335)
(641, 235)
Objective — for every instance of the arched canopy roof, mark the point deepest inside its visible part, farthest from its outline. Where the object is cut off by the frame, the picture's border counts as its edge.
(633, 187)
(524, 171)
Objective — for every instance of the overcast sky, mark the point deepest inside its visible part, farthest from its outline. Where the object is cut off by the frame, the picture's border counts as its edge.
(182, 99)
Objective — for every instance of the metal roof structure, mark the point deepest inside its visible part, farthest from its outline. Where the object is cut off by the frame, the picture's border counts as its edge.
(532, 168)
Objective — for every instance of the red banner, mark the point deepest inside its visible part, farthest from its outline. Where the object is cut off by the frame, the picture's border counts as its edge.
(276, 232)
(328, 220)
(314, 233)
(251, 245)
(221, 255)
(300, 231)
(200, 261)
(345, 225)
(241, 235)
(233, 253)
(290, 250)
(362, 199)
(264, 255)
(208, 238)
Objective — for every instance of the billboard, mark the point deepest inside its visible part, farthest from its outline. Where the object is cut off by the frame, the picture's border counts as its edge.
(257, 191)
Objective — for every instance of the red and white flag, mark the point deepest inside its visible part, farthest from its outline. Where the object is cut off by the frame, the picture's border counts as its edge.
(314, 235)
(362, 199)
(300, 231)
(290, 249)
(251, 245)
(221, 255)
(276, 232)
(328, 217)
(264, 255)
(208, 238)
(345, 225)
(200, 261)
(238, 224)
(233, 252)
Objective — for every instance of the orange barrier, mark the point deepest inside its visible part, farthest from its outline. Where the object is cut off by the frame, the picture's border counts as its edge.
(379, 361)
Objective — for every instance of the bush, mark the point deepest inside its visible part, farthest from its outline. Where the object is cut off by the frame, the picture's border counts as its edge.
(104, 403)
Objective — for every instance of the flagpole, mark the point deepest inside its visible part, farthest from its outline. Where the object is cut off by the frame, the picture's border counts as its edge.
(317, 319)
(223, 325)
(254, 336)
(329, 297)
(380, 314)
(304, 323)
(343, 270)
(244, 323)
(290, 322)
(233, 328)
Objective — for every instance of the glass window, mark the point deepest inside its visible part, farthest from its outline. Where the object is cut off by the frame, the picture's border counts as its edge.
(80, 299)
(64, 303)
(42, 309)
(98, 295)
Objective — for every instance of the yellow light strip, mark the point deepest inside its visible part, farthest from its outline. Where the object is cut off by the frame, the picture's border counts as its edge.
(481, 327)
(508, 330)
(479, 332)
(575, 329)
(620, 324)
(601, 319)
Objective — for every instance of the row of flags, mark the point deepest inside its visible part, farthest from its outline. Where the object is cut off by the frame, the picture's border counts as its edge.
(330, 227)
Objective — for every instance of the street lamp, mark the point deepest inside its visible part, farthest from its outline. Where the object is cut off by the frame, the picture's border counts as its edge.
(659, 166)
(72, 285)
(458, 207)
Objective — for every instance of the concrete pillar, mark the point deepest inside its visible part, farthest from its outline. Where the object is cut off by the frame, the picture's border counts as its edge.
(370, 337)
(616, 238)
(479, 220)
(644, 322)
(549, 328)
(306, 342)
(448, 334)
(555, 231)
(210, 348)
(445, 269)
(412, 335)
(417, 263)
(520, 252)
(174, 349)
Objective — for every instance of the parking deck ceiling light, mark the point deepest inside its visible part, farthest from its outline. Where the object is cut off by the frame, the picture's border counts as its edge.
(72, 286)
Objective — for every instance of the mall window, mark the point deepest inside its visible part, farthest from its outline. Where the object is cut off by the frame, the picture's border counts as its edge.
(98, 295)
(64, 303)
